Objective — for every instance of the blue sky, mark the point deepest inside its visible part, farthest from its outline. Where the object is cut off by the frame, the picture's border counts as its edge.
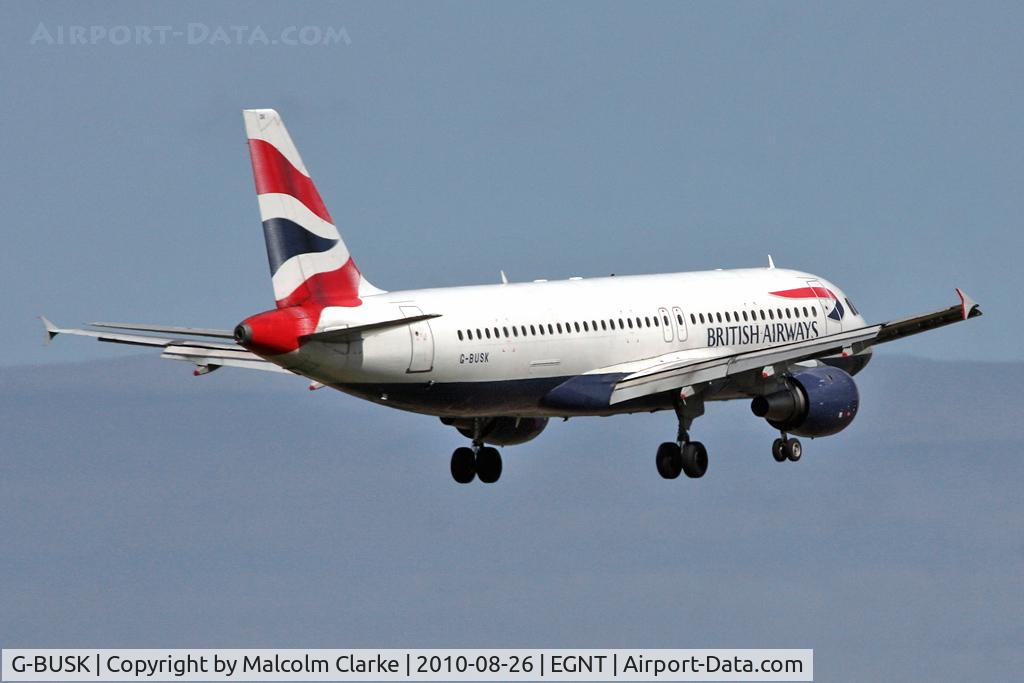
(145, 508)
(876, 145)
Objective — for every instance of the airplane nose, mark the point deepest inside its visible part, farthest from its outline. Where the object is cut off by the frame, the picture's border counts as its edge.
(243, 334)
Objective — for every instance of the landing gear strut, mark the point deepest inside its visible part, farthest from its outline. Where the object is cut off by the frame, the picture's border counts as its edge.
(480, 461)
(683, 455)
(786, 448)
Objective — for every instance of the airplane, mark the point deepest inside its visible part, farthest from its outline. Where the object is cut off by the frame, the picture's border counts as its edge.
(497, 361)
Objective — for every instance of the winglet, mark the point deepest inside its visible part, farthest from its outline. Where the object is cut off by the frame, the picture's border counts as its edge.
(51, 329)
(968, 306)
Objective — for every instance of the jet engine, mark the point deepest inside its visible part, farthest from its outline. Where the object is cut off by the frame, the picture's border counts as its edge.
(501, 431)
(816, 402)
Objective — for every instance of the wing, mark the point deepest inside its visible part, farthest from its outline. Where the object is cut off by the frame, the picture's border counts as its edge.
(673, 372)
(206, 355)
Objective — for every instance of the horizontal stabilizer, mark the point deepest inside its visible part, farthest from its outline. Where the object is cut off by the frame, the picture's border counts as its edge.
(204, 354)
(344, 334)
(187, 331)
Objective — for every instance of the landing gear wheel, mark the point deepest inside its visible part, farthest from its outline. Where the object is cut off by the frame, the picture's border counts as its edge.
(695, 459)
(793, 449)
(779, 450)
(463, 465)
(488, 464)
(669, 460)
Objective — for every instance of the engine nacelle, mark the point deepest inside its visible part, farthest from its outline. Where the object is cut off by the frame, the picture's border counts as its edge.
(816, 402)
(501, 431)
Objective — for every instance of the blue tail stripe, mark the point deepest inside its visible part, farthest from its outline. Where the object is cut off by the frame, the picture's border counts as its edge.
(286, 239)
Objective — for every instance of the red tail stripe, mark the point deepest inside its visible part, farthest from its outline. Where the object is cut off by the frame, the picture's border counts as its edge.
(334, 288)
(806, 293)
(274, 173)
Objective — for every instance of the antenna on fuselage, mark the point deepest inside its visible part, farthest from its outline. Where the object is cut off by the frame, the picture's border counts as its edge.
(504, 278)
(771, 262)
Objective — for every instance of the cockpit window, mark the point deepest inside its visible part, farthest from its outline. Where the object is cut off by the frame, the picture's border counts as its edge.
(853, 309)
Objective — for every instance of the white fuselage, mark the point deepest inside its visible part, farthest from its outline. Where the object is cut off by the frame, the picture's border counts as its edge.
(498, 349)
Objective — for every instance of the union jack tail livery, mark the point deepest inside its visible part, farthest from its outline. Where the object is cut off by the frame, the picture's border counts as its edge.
(309, 262)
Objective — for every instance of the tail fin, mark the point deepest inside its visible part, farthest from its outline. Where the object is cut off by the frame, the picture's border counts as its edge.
(309, 261)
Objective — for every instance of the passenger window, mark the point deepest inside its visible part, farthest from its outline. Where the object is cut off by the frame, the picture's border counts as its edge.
(647, 320)
(460, 335)
(788, 314)
(744, 316)
(551, 328)
(701, 318)
(577, 326)
(771, 314)
(630, 321)
(727, 317)
(693, 319)
(523, 328)
(814, 311)
(558, 326)
(603, 326)
(778, 311)
(665, 319)
(719, 316)
(478, 334)
(505, 330)
(622, 325)
(496, 335)
(593, 325)
(515, 332)
(488, 332)
(805, 311)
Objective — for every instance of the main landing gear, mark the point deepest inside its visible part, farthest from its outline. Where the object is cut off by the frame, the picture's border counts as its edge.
(683, 455)
(786, 448)
(480, 461)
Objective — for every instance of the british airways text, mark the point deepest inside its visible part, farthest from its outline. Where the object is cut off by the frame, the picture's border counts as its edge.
(773, 333)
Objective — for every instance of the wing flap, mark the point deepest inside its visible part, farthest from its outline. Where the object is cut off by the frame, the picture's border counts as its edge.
(663, 377)
(211, 357)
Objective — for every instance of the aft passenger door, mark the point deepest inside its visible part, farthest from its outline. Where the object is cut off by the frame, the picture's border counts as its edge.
(422, 341)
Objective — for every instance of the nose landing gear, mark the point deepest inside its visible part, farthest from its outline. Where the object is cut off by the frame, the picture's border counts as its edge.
(786, 448)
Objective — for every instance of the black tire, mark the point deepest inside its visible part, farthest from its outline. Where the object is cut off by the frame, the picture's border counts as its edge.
(695, 459)
(669, 460)
(779, 450)
(488, 465)
(793, 449)
(463, 465)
